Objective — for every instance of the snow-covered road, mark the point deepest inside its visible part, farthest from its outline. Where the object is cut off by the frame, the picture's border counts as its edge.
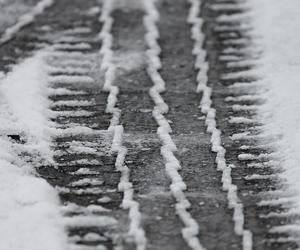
(155, 124)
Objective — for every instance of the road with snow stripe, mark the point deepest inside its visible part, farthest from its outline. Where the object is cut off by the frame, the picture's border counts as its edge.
(154, 136)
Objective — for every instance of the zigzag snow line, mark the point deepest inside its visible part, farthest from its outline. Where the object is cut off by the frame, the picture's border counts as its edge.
(205, 105)
(191, 229)
(125, 185)
(25, 20)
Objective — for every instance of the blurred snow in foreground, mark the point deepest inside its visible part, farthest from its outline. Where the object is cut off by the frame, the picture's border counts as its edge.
(277, 24)
(29, 206)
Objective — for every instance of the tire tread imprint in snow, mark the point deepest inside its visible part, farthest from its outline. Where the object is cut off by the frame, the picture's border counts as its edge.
(251, 191)
(147, 173)
(204, 191)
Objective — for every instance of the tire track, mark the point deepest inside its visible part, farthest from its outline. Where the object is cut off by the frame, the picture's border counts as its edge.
(191, 228)
(84, 172)
(208, 202)
(106, 159)
(210, 121)
(143, 158)
(149, 179)
(233, 74)
(125, 185)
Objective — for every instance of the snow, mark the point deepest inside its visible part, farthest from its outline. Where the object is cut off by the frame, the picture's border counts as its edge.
(89, 210)
(76, 130)
(260, 177)
(191, 228)
(11, 10)
(27, 83)
(241, 74)
(276, 202)
(89, 221)
(84, 247)
(125, 186)
(82, 46)
(64, 91)
(276, 26)
(68, 70)
(237, 107)
(29, 211)
(25, 19)
(73, 103)
(104, 199)
(69, 79)
(107, 65)
(85, 171)
(29, 207)
(211, 124)
(238, 120)
(82, 150)
(76, 60)
(77, 113)
(243, 98)
(242, 6)
(243, 63)
(83, 191)
(94, 11)
(86, 182)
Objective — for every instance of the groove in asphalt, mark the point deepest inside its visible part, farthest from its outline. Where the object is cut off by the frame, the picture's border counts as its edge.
(147, 170)
(59, 19)
(209, 202)
(249, 190)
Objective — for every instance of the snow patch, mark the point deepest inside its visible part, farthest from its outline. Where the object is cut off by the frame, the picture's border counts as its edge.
(27, 83)
(29, 206)
(281, 67)
(29, 211)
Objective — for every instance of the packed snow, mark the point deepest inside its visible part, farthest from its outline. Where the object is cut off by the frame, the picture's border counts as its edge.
(107, 65)
(28, 116)
(29, 207)
(190, 230)
(276, 25)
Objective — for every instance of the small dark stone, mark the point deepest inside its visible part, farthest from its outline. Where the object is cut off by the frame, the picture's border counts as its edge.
(16, 138)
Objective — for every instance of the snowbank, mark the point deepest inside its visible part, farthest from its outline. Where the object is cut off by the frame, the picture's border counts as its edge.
(277, 26)
(24, 105)
(29, 211)
(30, 216)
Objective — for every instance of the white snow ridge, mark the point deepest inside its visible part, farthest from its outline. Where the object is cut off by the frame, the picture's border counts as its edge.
(172, 165)
(29, 206)
(211, 124)
(281, 66)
